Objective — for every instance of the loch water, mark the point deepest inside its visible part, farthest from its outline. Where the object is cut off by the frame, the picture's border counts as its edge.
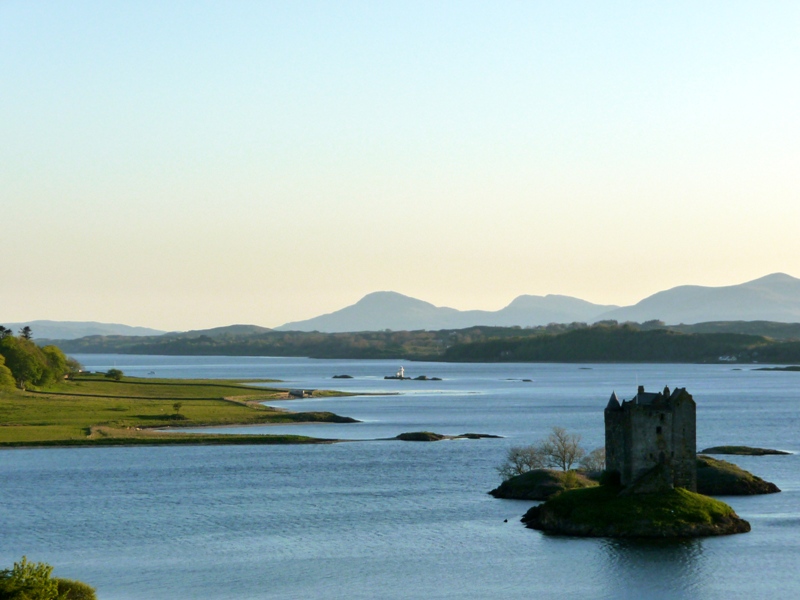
(389, 519)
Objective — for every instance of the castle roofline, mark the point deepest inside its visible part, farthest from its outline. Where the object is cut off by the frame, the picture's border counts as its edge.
(613, 402)
(647, 398)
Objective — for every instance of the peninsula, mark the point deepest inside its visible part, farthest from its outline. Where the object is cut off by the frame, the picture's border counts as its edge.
(96, 410)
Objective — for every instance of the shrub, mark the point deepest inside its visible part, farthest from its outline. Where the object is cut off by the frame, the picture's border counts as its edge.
(69, 589)
(115, 374)
(611, 479)
(28, 581)
(33, 581)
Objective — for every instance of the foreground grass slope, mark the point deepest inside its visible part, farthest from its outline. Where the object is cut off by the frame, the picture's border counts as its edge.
(94, 410)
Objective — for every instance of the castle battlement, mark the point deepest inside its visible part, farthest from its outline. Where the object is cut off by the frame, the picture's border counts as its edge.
(651, 430)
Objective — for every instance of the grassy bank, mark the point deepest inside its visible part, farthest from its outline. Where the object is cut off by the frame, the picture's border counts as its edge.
(93, 410)
(605, 512)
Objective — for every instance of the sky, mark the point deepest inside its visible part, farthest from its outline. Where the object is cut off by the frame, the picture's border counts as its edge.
(183, 165)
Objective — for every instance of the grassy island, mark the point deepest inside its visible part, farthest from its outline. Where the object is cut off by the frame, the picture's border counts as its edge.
(603, 511)
(541, 484)
(90, 410)
(721, 478)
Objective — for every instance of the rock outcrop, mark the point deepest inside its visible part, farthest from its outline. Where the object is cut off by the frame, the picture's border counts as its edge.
(742, 451)
(721, 478)
(429, 436)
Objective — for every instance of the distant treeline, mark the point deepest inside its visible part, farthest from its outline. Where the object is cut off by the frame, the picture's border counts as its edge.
(576, 342)
(615, 343)
(367, 344)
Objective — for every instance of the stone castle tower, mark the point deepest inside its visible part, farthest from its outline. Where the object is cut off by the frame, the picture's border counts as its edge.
(653, 430)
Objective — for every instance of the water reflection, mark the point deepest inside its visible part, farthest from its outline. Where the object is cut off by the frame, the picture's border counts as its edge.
(666, 568)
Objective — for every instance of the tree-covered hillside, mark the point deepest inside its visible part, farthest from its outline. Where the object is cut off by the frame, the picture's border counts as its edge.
(23, 363)
(576, 342)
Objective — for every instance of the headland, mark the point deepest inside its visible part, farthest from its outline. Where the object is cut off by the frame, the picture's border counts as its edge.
(93, 410)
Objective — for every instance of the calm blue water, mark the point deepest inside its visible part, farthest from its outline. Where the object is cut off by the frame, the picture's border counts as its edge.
(391, 519)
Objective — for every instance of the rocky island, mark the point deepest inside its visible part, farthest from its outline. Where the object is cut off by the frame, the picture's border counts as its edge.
(607, 511)
(649, 487)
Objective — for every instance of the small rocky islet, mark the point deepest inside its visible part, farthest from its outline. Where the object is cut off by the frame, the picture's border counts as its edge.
(744, 451)
(541, 484)
(722, 478)
(429, 436)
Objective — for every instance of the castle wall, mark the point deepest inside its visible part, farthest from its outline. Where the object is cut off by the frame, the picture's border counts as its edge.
(627, 433)
(652, 434)
(685, 433)
(615, 440)
(659, 432)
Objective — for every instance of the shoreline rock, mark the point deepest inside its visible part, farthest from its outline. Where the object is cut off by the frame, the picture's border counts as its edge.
(429, 436)
(743, 451)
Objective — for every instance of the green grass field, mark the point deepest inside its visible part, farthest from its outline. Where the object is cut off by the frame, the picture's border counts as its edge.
(93, 410)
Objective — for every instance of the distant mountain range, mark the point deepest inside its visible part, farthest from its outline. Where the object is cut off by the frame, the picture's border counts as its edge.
(71, 330)
(390, 310)
(775, 297)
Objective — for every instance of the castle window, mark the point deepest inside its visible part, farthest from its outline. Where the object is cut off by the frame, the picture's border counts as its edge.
(658, 430)
(661, 417)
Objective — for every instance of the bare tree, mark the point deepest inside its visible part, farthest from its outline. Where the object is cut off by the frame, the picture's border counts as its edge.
(521, 459)
(559, 450)
(595, 460)
(564, 449)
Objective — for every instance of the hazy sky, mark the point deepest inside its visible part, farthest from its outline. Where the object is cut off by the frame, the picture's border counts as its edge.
(193, 164)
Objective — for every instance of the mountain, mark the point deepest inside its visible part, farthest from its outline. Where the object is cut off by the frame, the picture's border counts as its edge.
(542, 310)
(70, 330)
(390, 310)
(775, 297)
